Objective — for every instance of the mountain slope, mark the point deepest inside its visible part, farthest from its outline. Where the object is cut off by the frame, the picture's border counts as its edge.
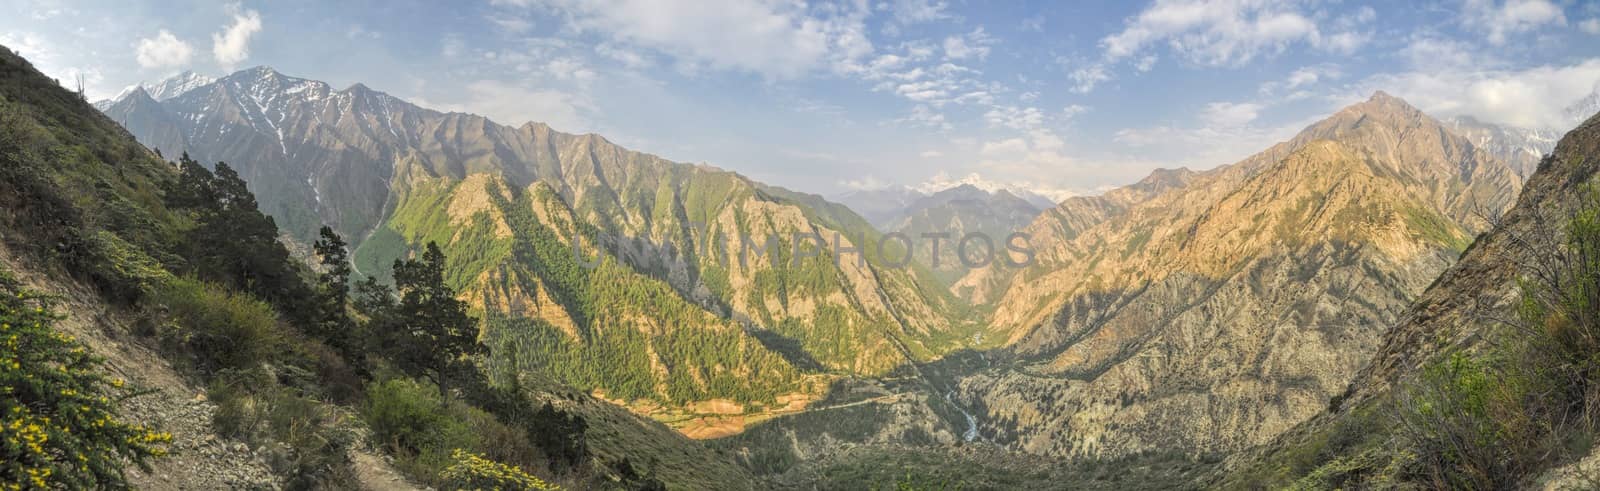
(1065, 221)
(881, 207)
(1457, 313)
(506, 204)
(960, 211)
(1133, 330)
(83, 218)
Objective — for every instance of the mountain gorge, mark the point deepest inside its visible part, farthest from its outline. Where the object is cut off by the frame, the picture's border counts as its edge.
(688, 302)
(1195, 312)
(951, 215)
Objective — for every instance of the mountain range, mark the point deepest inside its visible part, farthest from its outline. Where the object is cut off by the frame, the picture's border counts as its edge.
(1212, 312)
(672, 318)
(958, 213)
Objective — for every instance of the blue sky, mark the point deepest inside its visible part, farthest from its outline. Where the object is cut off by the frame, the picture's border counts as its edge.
(1058, 97)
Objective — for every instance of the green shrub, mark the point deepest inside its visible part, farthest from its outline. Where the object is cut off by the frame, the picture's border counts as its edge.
(218, 329)
(470, 471)
(1531, 395)
(59, 426)
(407, 417)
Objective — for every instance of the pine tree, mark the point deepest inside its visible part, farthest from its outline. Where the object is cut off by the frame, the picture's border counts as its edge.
(334, 324)
(430, 335)
(233, 242)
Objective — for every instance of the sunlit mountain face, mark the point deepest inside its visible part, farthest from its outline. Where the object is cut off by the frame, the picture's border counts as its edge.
(823, 245)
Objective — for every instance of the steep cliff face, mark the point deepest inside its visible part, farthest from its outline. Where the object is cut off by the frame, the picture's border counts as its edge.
(672, 304)
(1472, 294)
(1230, 306)
(1457, 313)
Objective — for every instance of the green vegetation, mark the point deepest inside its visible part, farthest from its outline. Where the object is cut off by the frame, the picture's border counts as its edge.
(188, 260)
(1436, 229)
(635, 337)
(59, 424)
(1491, 417)
(475, 472)
(231, 241)
(428, 334)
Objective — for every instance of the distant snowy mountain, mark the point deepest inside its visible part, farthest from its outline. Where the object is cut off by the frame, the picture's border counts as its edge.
(1584, 108)
(1520, 148)
(1042, 198)
(170, 88)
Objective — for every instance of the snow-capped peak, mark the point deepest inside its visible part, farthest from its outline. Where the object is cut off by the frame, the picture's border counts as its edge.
(168, 88)
(1585, 108)
(178, 84)
(1042, 196)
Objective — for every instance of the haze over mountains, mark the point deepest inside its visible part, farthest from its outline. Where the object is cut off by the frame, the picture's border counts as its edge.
(673, 315)
(1202, 312)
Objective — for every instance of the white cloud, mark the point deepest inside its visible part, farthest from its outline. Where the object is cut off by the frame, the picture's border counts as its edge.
(358, 31)
(629, 58)
(1220, 141)
(510, 23)
(1073, 110)
(1591, 26)
(1009, 147)
(1295, 85)
(1305, 76)
(164, 50)
(43, 56)
(232, 45)
(974, 44)
(1436, 53)
(866, 183)
(1502, 19)
(931, 84)
(1035, 24)
(931, 154)
(1085, 79)
(1017, 118)
(28, 45)
(922, 115)
(1230, 32)
(909, 12)
(1146, 63)
(452, 46)
(513, 105)
(1531, 98)
(773, 38)
(565, 68)
(1230, 114)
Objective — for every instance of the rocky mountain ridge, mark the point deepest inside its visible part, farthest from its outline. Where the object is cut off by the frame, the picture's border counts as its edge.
(1129, 331)
(673, 313)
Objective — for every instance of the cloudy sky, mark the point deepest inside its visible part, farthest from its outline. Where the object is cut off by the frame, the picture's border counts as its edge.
(1058, 97)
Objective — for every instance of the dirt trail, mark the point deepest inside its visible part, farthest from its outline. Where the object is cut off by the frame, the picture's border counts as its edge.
(198, 458)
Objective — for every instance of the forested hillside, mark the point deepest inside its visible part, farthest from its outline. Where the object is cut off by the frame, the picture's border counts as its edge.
(177, 283)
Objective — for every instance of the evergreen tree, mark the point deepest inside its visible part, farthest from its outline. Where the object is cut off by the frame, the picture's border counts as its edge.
(334, 324)
(233, 242)
(430, 335)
